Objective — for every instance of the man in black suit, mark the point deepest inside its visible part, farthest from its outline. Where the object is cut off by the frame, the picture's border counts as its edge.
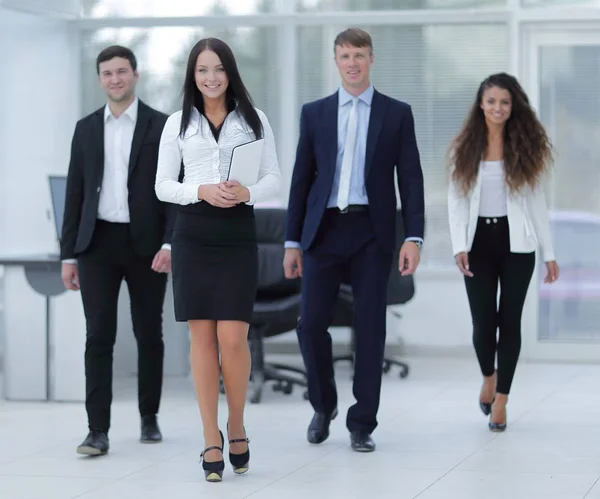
(341, 226)
(115, 228)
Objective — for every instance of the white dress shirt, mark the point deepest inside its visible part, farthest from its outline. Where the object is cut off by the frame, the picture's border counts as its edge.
(206, 161)
(118, 135)
(494, 191)
(529, 226)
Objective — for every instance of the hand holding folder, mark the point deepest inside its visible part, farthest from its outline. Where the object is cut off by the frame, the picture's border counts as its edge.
(245, 162)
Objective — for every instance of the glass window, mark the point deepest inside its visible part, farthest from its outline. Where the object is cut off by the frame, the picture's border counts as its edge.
(172, 8)
(162, 57)
(569, 107)
(304, 5)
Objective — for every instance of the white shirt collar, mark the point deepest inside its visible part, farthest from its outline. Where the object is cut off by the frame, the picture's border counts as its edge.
(131, 111)
(345, 97)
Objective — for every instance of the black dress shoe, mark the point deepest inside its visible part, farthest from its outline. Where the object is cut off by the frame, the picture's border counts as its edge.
(150, 432)
(318, 429)
(95, 444)
(361, 441)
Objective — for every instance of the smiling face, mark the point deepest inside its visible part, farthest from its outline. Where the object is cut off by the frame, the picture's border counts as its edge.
(117, 79)
(211, 78)
(496, 104)
(354, 64)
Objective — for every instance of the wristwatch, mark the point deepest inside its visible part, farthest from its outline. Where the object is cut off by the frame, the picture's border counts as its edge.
(418, 243)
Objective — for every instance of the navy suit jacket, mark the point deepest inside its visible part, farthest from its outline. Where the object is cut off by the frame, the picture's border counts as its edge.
(391, 145)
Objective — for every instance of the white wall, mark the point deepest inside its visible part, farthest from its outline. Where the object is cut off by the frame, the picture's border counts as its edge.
(39, 97)
(40, 104)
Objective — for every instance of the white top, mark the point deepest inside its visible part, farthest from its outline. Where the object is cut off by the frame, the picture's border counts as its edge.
(118, 134)
(207, 162)
(494, 190)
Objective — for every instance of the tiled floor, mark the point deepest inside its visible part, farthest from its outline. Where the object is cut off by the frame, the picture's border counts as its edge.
(433, 443)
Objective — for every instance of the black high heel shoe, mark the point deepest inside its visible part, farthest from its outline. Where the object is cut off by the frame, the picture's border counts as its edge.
(497, 427)
(486, 408)
(239, 462)
(213, 471)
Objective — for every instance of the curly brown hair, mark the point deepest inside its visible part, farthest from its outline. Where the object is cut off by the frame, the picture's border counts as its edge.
(527, 149)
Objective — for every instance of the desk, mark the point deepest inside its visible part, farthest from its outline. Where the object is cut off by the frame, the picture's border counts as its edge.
(44, 332)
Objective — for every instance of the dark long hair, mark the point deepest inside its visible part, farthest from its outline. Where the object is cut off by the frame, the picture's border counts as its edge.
(527, 149)
(236, 90)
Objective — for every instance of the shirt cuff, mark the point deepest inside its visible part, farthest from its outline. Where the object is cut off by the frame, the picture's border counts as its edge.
(166, 246)
(417, 239)
(252, 199)
(292, 244)
(70, 260)
(191, 193)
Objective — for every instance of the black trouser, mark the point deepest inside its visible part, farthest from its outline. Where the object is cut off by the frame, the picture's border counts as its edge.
(102, 268)
(345, 247)
(491, 261)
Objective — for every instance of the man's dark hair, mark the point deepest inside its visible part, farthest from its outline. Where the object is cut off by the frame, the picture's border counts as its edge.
(354, 37)
(116, 51)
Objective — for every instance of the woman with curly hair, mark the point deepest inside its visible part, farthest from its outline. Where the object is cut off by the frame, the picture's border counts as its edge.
(498, 217)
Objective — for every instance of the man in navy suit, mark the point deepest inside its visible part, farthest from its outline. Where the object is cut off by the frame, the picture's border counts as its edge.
(341, 227)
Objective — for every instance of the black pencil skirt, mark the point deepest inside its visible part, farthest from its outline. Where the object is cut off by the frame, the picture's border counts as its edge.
(214, 263)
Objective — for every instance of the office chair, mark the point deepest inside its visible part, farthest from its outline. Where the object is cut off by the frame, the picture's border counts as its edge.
(400, 290)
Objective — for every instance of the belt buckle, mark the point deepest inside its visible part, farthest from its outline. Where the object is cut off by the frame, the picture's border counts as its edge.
(344, 211)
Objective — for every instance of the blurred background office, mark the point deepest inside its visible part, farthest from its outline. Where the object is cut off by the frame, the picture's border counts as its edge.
(429, 53)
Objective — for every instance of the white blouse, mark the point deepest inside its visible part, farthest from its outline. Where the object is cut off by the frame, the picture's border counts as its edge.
(206, 161)
(494, 191)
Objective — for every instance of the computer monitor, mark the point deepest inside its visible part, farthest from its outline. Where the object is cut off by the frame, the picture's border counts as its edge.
(58, 190)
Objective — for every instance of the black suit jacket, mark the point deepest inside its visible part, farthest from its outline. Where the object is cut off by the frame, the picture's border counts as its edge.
(391, 146)
(151, 221)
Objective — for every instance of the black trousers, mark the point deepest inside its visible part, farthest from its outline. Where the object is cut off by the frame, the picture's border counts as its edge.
(492, 262)
(109, 259)
(345, 250)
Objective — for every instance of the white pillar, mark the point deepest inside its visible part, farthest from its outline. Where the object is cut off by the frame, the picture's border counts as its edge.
(287, 53)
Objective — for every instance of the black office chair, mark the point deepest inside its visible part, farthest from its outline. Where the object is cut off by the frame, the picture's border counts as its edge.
(400, 290)
(276, 309)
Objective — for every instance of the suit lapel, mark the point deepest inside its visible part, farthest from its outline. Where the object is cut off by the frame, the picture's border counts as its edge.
(331, 121)
(375, 124)
(98, 142)
(143, 120)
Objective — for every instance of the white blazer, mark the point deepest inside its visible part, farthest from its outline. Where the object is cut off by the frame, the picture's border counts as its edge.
(529, 227)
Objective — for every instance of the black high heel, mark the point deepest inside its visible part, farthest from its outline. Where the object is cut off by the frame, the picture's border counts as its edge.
(497, 427)
(213, 471)
(486, 408)
(239, 462)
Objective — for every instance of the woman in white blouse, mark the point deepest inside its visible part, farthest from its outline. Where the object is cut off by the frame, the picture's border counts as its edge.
(498, 217)
(214, 251)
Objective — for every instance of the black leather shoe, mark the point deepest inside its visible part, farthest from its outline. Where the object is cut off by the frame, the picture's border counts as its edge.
(361, 441)
(318, 429)
(95, 444)
(150, 432)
